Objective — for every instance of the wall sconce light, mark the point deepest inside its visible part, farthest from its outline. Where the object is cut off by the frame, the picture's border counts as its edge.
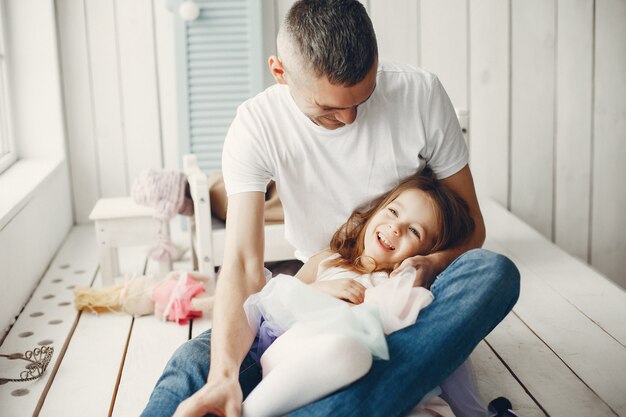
(189, 10)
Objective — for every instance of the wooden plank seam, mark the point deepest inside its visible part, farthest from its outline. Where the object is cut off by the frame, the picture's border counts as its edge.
(519, 381)
(121, 370)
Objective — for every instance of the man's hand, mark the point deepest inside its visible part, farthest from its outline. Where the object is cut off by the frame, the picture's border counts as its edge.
(427, 268)
(220, 398)
(344, 289)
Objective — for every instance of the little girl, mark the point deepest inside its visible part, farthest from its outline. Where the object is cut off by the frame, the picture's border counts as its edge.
(315, 339)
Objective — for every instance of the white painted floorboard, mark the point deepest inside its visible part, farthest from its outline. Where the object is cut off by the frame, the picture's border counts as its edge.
(152, 342)
(600, 299)
(546, 377)
(593, 354)
(493, 379)
(86, 381)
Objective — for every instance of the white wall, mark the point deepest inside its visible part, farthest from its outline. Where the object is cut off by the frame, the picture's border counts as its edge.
(543, 82)
(113, 90)
(30, 240)
(36, 190)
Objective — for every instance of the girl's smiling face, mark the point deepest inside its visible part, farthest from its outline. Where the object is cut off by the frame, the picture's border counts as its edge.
(406, 227)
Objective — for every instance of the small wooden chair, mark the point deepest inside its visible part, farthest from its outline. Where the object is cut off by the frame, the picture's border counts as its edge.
(208, 234)
(120, 222)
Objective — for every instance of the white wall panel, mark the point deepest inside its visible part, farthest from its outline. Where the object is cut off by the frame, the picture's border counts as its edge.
(138, 86)
(282, 7)
(269, 31)
(34, 78)
(79, 116)
(397, 29)
(573, 125)
(489, 98)
(443, 25)
(608, 227)
(166, 74)
(532, 112)
(29, 241)
(104, 69)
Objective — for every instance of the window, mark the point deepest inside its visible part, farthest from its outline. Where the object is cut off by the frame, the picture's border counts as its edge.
(8, 153)
(211, 93)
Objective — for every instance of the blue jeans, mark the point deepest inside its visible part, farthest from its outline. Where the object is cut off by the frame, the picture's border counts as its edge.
(471, 297)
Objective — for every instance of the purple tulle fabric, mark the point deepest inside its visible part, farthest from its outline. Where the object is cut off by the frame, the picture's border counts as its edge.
(264, 338)
(460, 392)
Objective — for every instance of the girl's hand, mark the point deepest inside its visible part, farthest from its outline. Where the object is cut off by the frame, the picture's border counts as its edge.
(344, 289)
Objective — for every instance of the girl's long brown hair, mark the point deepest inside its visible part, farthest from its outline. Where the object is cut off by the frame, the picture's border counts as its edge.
(453, 218)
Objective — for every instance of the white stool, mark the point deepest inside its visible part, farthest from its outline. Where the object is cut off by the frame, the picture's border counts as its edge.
(120, 222)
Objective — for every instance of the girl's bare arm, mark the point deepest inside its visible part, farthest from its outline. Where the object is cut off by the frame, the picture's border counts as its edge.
(345, 289)
(308, 272)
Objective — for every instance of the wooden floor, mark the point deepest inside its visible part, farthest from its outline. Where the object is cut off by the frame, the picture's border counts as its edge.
(561, 352)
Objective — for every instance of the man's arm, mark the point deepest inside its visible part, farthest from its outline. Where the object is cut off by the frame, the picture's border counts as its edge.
(463, 184)
(430, 266)
(241, 275)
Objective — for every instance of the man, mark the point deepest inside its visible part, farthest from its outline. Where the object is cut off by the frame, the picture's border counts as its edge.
(336, 130)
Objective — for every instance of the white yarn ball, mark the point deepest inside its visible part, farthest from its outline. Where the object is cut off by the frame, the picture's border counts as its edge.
(189, 10)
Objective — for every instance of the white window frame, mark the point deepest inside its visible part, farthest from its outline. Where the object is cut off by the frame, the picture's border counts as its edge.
(8, 150)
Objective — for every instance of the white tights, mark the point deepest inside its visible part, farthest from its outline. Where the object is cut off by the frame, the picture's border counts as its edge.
(299, 368)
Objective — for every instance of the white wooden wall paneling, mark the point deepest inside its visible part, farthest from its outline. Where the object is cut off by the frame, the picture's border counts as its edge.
(574, 64)
(79, 117)
(489, 97)
(282, 7)
(532, 112)
(102, 35)
(443, 37)
(397, 29)
(86, 381)
(166, 70)
(34, 79)
(269, 30)
(138, 86)
(608, 229)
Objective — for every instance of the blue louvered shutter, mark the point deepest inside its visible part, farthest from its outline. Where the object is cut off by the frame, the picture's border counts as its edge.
(219, 65)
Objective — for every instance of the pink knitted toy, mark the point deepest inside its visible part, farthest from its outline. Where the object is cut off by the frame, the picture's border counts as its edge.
(165, 191)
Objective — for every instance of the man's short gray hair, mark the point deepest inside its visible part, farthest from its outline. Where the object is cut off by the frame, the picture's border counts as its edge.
(331, 38)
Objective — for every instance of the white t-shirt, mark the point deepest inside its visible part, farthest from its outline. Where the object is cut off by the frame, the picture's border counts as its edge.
(323, 175)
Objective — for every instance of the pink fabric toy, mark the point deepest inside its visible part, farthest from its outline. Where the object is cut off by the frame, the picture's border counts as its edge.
(175, 298)
(172, 299)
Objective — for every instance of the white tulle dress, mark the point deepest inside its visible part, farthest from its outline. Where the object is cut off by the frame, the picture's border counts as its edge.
(390, 304)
